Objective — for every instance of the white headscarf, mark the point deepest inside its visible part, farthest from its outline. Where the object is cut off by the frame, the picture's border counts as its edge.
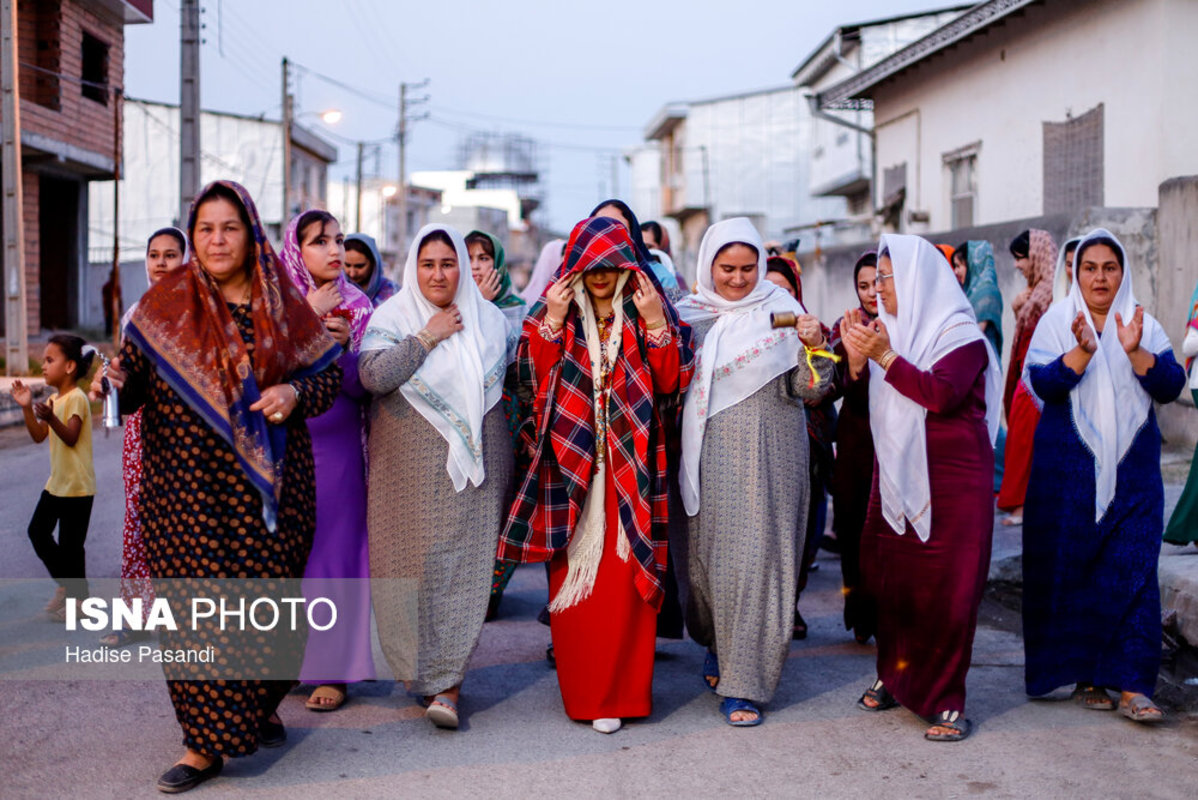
(741, 352)
(1060, 277)
(1109, 405)
(461, 378)
(542, 273)
(182, 236)
(934, 319)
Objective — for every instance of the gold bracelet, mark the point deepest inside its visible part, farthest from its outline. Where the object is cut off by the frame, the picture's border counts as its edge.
(658, 326)
(887, 359)
(555, 325)
(427, 340)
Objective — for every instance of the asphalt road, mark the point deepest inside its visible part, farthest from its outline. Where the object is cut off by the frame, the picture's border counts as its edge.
(113, 738)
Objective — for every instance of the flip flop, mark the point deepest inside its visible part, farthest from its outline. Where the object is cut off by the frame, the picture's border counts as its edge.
(711, 669)
(730, 705)
(1092, 697)
(326, 690)
(443, 712)
(878, 693)
(959, 726)
(1141, 709)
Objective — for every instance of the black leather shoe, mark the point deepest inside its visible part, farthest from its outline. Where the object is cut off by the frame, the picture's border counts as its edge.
(181, 777)
(271, 734)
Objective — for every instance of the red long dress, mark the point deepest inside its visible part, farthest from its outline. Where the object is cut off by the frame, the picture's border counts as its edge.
(928, 593)
(604, 644)
(1022, 418)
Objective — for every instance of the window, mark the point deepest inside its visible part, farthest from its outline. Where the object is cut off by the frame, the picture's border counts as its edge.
(95, 69)
(962, 166)
(40, 47)
(1073, 165)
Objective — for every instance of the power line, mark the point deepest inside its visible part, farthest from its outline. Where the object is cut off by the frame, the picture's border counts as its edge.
(387, 103)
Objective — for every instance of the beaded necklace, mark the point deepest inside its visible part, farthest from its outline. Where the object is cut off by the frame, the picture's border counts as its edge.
(603, 390)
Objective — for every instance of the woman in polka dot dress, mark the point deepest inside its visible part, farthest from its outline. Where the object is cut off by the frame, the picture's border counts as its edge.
(226, 360)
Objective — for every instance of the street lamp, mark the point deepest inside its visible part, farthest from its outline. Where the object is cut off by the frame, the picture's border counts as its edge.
(329, 116)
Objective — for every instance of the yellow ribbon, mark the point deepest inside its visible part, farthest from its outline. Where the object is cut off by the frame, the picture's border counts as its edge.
(811, 363)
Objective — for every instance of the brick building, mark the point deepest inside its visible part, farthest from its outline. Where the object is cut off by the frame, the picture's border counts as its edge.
(71, 67)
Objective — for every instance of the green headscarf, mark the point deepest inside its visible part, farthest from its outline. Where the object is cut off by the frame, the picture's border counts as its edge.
(981, 287)
(507, 297)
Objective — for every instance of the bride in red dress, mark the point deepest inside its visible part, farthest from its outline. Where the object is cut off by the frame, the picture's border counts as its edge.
(606, 358)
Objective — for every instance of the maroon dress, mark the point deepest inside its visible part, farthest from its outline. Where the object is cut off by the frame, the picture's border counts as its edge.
(928, 593)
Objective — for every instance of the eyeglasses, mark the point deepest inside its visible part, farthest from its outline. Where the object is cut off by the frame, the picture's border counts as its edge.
(881, 276)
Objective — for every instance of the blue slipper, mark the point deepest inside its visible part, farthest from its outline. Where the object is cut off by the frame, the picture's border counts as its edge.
(711, 669)
(729, 705)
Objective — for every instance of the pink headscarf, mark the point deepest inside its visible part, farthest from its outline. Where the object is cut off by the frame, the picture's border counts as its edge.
(353, 299)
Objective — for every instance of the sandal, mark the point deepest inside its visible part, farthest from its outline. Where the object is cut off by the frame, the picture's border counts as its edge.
(332, 691)
(883, 699)
(123, 638)
(711, 671)
(1092, 697)
(730, 705)
(1140, 709)
(1012, 521)
(959, 727)
(442, 712)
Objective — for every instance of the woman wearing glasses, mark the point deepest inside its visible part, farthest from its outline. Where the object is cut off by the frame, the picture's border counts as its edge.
(934, 395)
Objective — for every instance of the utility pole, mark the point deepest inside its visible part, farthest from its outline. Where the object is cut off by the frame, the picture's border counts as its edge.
(358, 192)
(189, 106)
(118, 95)
(16, 350)
(288, 111)
(615, 175)
(404, 119)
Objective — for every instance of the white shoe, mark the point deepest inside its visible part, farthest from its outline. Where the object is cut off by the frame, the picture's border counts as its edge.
(607, 724)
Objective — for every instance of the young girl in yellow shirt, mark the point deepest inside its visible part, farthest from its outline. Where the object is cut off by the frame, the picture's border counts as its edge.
(67, 499)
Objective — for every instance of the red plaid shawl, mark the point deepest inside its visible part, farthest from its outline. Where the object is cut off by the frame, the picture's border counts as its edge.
(550, 499)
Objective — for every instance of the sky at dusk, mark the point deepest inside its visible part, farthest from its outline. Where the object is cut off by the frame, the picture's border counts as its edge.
(583, 81)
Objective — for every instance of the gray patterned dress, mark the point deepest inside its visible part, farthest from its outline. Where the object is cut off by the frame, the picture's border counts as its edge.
(431, 548)
(746, 541)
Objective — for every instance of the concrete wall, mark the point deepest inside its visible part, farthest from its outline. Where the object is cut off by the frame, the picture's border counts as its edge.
(993, 89)
(1176, 276)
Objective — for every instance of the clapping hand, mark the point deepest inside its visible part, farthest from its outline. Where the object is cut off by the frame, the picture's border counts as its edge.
(21, 394)
(1085, 335)
(1131, 333)
(868, 339)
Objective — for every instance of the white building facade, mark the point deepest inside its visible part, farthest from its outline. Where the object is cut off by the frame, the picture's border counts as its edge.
(1020, 109)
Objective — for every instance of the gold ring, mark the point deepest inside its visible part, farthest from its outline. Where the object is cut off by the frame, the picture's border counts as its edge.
(277, 416)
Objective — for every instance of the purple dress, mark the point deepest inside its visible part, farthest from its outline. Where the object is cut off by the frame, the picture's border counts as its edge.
(927, 593)
(341, 654)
